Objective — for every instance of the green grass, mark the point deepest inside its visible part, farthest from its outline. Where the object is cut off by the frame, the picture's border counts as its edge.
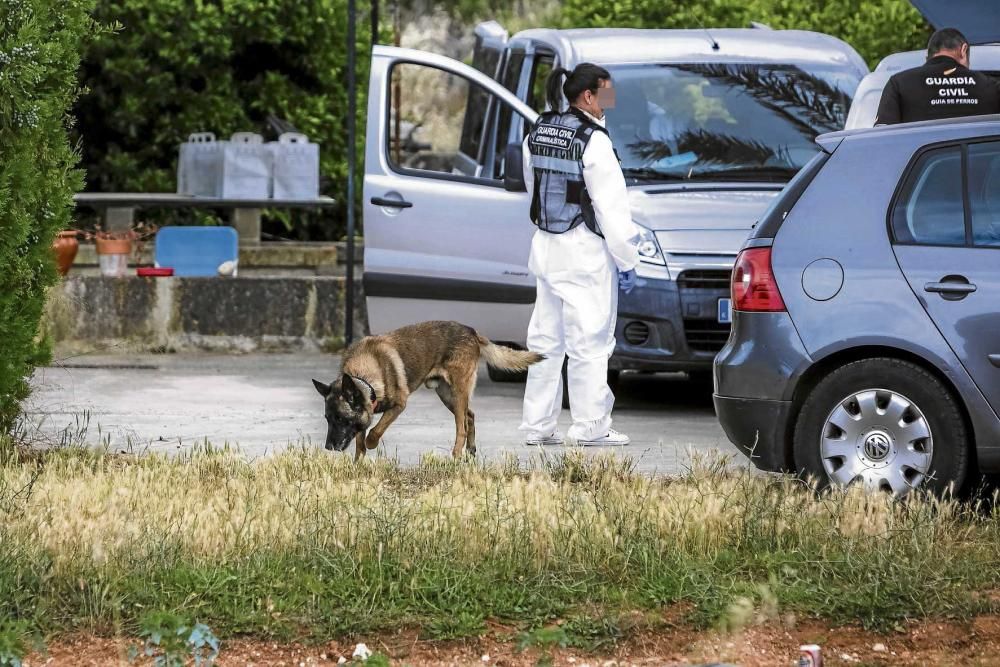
(309, 546)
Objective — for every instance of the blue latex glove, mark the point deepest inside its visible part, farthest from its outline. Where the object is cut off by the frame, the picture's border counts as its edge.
(626, 280)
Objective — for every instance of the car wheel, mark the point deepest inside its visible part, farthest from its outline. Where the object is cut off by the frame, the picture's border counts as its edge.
(884, 423)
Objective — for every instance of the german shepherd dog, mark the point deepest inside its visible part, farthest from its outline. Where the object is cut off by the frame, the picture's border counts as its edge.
(380, 372)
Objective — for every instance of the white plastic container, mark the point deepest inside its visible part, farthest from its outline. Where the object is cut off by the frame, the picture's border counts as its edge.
(296, 167)
(199, 165)
(247, 164)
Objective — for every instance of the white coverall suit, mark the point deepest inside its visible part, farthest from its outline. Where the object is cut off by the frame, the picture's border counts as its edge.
(576, 306)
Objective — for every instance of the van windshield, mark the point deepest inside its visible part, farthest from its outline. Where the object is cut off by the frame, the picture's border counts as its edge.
(723, 121)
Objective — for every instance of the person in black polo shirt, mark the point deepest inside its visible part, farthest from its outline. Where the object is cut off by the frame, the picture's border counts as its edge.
(944, 87)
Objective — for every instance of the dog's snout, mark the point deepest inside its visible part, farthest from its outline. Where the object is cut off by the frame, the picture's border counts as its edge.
(337, 440)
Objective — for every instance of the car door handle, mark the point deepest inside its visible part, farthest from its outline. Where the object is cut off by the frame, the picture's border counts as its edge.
(950, 288)
(391, 203)
(995, 359)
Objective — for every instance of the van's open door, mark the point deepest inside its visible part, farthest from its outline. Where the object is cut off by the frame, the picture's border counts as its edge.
(443, 238)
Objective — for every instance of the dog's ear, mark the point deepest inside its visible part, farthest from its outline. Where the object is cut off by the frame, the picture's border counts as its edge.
(352, 393)
(323, 389)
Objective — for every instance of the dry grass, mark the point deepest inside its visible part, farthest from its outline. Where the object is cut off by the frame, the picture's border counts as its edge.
(306, 540)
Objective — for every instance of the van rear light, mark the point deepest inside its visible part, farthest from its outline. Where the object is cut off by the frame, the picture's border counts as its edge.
(755, 289)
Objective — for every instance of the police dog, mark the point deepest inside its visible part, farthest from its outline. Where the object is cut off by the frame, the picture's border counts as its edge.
(380, 372)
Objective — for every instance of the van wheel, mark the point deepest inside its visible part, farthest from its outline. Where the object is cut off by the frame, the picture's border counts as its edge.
(884, 423)
(565, 385)
(614, 377)
(498, 375)
(701, 379)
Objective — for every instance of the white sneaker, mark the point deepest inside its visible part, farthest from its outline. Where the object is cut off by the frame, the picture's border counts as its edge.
(554, 438)
(612, 439)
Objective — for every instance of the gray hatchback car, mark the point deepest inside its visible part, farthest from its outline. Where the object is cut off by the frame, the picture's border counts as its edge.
(866, 331)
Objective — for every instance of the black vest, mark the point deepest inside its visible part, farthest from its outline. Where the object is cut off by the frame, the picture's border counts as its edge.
(559, 200)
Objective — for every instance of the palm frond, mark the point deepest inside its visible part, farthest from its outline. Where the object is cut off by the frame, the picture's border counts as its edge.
(811, 104)
(712, 148)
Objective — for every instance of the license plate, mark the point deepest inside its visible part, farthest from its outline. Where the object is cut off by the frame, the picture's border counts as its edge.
(725, 311)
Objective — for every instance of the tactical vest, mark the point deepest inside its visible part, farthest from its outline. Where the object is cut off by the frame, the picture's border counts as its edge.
(560, 201)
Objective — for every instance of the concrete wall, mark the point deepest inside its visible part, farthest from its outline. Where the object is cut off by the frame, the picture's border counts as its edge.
(93, 313)
(270, 259)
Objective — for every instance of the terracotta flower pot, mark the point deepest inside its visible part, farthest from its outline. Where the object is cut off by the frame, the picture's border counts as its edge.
(113, 246)
(65, 246)
(113, 256)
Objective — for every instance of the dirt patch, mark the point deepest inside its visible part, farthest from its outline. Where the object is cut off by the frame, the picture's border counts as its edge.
(975, 642)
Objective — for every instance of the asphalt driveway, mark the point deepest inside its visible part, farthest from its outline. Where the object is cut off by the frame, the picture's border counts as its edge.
(263, 403)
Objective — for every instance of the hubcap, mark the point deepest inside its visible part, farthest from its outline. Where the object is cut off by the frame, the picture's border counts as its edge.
(879, 438)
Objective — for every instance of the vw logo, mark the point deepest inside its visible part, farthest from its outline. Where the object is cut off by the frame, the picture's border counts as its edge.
(877, 446)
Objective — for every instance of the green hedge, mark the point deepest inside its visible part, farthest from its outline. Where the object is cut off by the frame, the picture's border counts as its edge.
(875, 28)
(177, 67)
(40, 44)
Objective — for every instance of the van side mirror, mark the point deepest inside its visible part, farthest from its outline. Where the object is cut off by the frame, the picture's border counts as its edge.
(513, 172)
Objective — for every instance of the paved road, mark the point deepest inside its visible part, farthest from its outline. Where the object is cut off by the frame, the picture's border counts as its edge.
(263, 403)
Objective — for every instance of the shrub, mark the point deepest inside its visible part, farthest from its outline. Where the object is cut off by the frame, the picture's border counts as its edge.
(875, 28)
(178, 67)
(14, 644)
(40, 44)
(170, 640)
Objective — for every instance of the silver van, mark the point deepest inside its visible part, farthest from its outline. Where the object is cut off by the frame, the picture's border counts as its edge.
(709, 126)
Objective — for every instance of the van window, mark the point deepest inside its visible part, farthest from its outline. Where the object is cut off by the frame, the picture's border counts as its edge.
(486, 61)
(426, 119)
(930, 210)
(511, 78)
(512, 74)
(723, 121)
(536, 87)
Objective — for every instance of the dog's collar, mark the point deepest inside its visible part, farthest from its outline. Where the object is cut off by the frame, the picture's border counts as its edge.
(371, 389)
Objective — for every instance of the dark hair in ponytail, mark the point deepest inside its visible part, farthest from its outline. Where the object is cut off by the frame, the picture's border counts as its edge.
(586, 76)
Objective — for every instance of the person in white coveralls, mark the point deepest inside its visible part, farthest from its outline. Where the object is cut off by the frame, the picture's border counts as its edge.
(585, 250)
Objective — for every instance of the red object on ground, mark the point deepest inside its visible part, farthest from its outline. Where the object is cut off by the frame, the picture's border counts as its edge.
(153, 272)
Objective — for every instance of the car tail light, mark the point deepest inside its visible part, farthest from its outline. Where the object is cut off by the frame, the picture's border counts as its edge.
(754, 286)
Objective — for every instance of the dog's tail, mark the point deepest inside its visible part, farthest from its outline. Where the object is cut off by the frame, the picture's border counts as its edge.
(506, 358)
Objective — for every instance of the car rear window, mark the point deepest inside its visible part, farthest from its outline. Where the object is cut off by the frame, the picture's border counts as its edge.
(770, 222)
